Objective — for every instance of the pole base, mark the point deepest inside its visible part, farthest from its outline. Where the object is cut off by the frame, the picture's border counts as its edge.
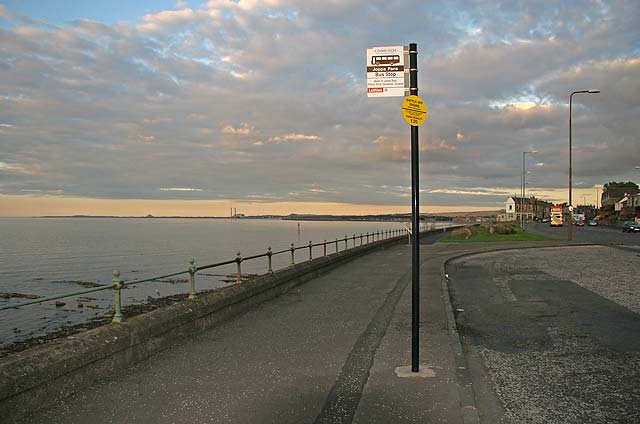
(424, 371)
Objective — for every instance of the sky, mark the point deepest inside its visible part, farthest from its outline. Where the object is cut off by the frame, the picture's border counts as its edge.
(192, 107)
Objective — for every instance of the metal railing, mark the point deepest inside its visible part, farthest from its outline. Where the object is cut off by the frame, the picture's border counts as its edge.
(117, 284)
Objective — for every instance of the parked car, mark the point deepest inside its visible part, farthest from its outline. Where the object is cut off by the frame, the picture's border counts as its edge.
(592, 223)
(546, 219)
(579, 223)
(631, 227)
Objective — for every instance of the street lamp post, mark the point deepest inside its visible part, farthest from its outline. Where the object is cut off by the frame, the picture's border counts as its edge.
(524, 188)
(570, 234)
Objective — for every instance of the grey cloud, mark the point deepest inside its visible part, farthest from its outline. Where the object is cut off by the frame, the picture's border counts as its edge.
(120, 111)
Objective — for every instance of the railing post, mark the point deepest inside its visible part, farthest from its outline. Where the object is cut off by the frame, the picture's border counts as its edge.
(354, 240)
(238, 262)
(336, 244)
(310, 248)
(293, 250)
(269, 254)
(192, 279)
(117, 285)
(360, 239)
(346, 246)
(325, 248)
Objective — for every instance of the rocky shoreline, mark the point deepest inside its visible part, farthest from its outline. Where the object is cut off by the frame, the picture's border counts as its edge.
(69, 331)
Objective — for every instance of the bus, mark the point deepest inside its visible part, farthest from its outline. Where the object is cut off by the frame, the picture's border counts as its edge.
(390, 59)
(556, 216)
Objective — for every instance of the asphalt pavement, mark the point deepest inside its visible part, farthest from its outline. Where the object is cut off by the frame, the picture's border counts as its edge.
(551, 335)
(601, 235)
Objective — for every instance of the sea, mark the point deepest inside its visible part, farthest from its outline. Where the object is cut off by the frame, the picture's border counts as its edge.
(46, 256)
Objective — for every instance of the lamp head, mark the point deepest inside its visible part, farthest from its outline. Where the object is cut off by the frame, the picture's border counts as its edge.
(593, 91)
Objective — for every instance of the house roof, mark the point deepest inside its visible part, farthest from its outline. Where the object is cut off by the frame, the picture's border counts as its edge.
(528, 200)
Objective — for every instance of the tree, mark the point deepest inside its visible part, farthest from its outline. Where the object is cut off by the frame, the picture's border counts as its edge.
(628, 184)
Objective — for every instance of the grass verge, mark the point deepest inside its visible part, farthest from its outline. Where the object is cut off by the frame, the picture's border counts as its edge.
(481, 235)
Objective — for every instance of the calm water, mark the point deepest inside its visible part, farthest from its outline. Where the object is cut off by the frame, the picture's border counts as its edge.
(43, 256)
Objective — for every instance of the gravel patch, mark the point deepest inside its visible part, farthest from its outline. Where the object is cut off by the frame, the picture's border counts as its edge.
(609, 272)
(570, 382)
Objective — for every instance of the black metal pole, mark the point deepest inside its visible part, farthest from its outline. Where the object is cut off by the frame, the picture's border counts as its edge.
(415, 214)
(570, 230)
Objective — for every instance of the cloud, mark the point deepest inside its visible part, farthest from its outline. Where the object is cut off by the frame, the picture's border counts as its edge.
(160, 21)
(252, 98)
(472, 192)
(436, 145)
(4, 13)
(179, 189)
(16, 168)
(294, 137)
(243, 129)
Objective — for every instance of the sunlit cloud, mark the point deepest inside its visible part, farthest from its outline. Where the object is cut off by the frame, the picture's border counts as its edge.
(16, 168)
(4, 13)
(437, 145)
(156, 21)
(243, 129)
(293, 137)
(472, 192)
(179, 189)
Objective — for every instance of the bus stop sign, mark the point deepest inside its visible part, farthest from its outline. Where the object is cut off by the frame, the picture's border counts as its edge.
(385, 71)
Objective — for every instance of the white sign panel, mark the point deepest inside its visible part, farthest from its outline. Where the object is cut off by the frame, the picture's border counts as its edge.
(385, 71)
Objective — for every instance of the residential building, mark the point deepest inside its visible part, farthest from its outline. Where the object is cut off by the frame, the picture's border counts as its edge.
(531, 207)
(611, 195)
(629, 200)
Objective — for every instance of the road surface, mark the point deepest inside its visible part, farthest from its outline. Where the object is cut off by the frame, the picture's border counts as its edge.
(604, 235)
(552, 335)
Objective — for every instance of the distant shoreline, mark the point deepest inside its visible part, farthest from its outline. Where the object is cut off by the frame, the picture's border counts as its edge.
(298, 217)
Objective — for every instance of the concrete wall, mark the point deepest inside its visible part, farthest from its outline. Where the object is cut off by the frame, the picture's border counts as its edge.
(37, 377)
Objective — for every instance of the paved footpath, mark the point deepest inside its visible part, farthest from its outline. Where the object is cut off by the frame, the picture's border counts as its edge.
(325, 352)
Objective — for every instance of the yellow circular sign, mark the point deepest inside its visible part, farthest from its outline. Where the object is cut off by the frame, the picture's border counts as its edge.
(414, 110)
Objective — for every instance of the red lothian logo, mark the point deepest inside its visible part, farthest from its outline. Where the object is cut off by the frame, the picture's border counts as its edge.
(375, 90)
